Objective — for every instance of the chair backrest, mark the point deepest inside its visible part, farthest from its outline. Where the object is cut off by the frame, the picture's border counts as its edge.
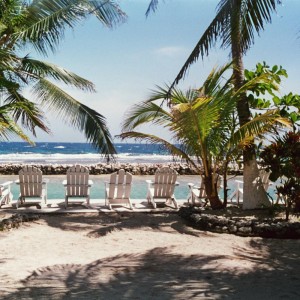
(1, 190)
(164, 182)
(77, 181)
(120, 185)
(31, 181)
(264, 175)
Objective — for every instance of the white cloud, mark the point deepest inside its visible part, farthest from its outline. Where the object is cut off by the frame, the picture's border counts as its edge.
(170, 51)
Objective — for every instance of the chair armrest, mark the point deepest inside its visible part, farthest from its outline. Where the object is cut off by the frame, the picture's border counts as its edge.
(195, 187)
(7, 183)
(239, 181)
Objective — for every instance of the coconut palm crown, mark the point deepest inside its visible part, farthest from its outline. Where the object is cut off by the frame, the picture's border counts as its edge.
(235, 25)
(201, 124)
(41, 25)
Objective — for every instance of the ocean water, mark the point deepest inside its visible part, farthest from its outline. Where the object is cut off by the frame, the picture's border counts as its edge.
(83, 153)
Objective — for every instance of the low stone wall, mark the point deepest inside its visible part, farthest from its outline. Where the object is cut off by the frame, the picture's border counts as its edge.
(135, 169)
(268, 228)
(104, 168)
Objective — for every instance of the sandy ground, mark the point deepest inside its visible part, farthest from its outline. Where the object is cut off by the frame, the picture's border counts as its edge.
(142, 256)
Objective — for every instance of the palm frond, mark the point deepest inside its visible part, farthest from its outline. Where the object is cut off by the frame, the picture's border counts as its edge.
(143, 113)
(205, 43)
(9, 128)
(44, 22)
(152, 7)
(37, 69)
(153, 139)
(76, 114)
(25, 111)
(257, 126)
(254, 15)
(251, 16)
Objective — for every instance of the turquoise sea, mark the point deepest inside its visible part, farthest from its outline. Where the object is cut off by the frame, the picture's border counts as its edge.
(139, 186)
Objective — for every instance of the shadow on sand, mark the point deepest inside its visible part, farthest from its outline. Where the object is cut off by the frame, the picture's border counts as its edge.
(159, 274)
(101, 224)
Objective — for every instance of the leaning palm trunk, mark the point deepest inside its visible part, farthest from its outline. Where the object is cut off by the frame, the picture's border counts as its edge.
(211, 185)
(254, 193)
(211, 189)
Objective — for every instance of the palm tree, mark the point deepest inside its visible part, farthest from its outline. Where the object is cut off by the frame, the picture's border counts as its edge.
(200, 124)
(8, 126)
(19, 108)
(235, 24)
(41, 24)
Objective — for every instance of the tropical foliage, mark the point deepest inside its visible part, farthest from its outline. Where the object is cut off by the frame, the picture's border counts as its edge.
(41, 25)
(202, 125)
(235, 25)
(282, 158)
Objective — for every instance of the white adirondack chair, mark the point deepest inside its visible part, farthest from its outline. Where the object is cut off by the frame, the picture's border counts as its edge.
(118, 188)
(197, 195)
(237, 196)
(77, 185)
(32, 185)
(163, 186)
(5, 193)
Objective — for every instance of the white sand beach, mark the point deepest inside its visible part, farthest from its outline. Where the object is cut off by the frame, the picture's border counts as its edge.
(137, 255)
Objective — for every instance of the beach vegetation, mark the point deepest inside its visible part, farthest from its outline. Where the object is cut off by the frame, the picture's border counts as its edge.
(202, 124)
(40, 25)
(236, 24)
(280, 153)
(282, 158)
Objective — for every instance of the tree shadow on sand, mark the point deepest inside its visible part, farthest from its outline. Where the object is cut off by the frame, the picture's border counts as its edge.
(161, 274)
(98, 225)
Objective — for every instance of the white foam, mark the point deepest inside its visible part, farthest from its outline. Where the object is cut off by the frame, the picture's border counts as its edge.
(86, 158)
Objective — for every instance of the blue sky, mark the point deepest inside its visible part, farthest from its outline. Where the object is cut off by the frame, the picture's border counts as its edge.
(126, 63)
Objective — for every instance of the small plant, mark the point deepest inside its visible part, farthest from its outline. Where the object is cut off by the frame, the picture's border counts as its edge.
(282, 158)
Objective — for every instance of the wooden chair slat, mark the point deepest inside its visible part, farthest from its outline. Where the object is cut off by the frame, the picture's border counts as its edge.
(118, 189)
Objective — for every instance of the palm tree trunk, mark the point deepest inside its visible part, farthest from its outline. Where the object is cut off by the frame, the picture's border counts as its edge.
(211, 191)
(254, 193)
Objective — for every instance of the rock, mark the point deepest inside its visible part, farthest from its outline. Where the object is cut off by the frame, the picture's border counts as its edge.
(245, 230)
(15, 221)
(232, 228)
(243, 227)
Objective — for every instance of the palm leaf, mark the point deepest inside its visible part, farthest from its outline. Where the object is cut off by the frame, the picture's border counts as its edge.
(152, 7)
(259, 125)
(76, 114)
(26, 112)
(37, 69)
(8, 128)
(253, 14)
(44, 22)
(145, 112)
(153, 139)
